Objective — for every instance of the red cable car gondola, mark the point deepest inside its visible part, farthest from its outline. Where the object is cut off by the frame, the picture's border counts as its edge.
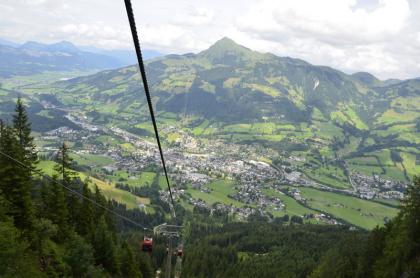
(147, 245)
(179, 252)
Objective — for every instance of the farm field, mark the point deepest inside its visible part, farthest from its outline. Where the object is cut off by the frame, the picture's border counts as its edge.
(219, 194)
(356, 211)
(292, 207)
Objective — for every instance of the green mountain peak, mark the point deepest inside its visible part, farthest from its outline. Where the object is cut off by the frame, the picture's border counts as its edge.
(226, 50)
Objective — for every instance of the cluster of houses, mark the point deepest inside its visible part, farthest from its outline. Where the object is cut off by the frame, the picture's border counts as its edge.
(373, 186)
(196, 162)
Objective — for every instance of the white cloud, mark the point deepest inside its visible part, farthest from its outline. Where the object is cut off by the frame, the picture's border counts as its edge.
(194, 16)
(341, 33)
(379, 36)
(330, 21)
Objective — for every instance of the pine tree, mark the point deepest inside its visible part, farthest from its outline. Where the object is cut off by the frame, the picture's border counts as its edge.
(68, 179)
(64, 166)
(86, 223)
(99, 199)
(79, 256)
(16, 260)
(55, 207)
(15, 181)
(105, 249)
(22, 128)
(129, 267)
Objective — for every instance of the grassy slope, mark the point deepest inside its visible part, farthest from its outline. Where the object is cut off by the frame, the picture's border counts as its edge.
(292, 207)
(220, 191)
(109, 190)
(359, 212)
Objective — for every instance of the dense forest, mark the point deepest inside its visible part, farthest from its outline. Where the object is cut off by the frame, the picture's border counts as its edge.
(48, 231)
(49, 227)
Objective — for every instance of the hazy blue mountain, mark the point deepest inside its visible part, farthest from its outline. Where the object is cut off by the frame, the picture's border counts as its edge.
(33, 57)
(8, 43)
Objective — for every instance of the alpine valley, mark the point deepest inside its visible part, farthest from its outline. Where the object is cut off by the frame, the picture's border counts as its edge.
(245, 133)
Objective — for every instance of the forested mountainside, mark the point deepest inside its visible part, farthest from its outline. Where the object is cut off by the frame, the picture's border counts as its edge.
(47, 231)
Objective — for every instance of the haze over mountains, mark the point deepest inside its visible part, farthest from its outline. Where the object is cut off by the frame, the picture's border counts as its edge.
(34, 57)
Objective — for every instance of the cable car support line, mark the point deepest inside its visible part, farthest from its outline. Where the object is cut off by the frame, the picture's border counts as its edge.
(136, 42)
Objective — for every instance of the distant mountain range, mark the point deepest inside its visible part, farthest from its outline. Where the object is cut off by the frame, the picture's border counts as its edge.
(34, 57)
(231, 83)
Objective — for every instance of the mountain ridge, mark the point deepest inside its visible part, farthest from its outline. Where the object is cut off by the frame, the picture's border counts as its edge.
(230, 76)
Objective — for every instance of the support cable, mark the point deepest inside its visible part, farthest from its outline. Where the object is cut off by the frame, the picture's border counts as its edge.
(136, 42)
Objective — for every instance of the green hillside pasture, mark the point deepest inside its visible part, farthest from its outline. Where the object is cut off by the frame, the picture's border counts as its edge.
(219, 194)
(292, 207)
(348, 115)
(261, 131)
(409, 161)
(163, 184)
(273, 92)
(406, 103)
(362, 213)
(392, 116)
(198, 130)
(264, 128)
(366, 169)
(327, 130)
(109, 190)
(395, 172)
(406, 132)
(369, 166)
(332, 176)
(147, 126)
(366, 165)
(384, 157)
(351, 146)
(396, 129)
(145, 178)
(392, 170)
(106, 139)
(92, 159)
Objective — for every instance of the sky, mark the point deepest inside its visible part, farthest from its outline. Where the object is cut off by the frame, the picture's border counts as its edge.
(377, 36)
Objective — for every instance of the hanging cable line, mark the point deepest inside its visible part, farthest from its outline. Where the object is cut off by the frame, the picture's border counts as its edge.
(39, 172)
(130, 15)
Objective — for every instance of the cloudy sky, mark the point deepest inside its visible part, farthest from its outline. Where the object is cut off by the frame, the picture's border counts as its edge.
(378, 36)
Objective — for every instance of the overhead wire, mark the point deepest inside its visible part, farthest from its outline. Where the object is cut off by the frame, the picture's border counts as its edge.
(130, 15)
(40, 173)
